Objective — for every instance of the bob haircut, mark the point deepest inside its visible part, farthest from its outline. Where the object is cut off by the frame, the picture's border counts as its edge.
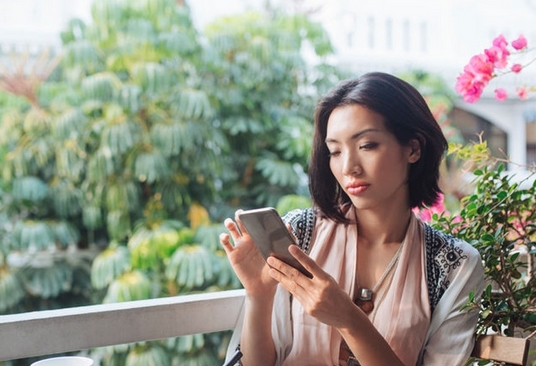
(406, 116)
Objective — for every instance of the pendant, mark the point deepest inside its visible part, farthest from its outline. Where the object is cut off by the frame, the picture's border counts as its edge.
(364, 300)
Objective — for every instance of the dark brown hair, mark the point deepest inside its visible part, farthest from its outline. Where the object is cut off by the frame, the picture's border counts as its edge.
(406, 116)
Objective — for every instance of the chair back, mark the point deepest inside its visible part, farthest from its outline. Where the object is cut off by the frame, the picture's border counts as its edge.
(511, 350)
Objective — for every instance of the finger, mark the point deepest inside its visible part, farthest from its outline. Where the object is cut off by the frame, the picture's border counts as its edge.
(288, 282)
(286, 271)
(226, 243)
(233, 229)
(241, 226)
(307, 262)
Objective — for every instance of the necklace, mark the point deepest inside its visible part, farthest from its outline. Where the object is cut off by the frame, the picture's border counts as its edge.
(365, 302)
(364, 295)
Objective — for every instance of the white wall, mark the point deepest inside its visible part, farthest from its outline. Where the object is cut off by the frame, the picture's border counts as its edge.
(37, 23)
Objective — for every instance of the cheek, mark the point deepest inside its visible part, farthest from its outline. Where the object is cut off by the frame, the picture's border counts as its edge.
(391, 166)
(335, 169)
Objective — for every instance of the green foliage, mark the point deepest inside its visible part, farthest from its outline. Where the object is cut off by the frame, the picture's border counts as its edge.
(498, 219)
(265, 93)
(291, 202)
(165, 259)
(143, 124)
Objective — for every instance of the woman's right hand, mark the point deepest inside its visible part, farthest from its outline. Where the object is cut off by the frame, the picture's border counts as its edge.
(246, 260)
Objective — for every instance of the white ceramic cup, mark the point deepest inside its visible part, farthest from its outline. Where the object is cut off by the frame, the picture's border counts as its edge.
(64, 361)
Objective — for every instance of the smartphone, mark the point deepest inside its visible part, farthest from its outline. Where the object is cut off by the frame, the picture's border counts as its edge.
(271, 235)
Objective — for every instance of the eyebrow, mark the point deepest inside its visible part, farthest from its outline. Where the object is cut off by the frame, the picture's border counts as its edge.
(354, 136)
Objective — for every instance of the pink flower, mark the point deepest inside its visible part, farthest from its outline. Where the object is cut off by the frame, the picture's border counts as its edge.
(501, 94)
(481, 68)
(500, 42)
(492, 63)
(469, 89)
(522, 92)
(426, 213)
(498, 53)
(477, 74)
(519, 43)
(516, 68)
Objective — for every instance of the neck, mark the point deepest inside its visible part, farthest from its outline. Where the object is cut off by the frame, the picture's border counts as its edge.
(376, 228)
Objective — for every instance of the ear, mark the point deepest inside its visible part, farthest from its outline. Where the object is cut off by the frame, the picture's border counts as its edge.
(414, 151)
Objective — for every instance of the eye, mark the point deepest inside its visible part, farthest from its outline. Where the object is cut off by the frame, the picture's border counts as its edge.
(368, 146)
(332, 154)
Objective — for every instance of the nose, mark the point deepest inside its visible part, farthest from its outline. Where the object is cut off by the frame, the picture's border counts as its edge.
(351, 164)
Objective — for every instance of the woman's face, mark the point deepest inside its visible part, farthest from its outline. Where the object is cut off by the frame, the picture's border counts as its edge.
(366, 159)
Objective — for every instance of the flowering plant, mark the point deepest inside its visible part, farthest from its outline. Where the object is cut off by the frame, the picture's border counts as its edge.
(497, 60)
(497, 218)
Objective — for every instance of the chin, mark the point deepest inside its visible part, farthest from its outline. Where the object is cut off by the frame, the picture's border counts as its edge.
(360, 204)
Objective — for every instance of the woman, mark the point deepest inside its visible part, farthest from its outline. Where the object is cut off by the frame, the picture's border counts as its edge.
(387, 289)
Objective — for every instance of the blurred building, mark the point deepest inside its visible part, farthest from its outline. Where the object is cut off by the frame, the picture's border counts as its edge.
(439, 37)
(394, 36)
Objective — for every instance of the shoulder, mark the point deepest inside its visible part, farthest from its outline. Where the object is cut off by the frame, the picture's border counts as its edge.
(298, 215)
(446, 258)
(302, 222)
(447, 250)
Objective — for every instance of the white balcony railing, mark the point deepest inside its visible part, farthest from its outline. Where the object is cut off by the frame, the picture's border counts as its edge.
(76, 329)
(50, 332)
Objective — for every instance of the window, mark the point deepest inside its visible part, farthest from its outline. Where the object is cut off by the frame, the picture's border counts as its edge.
(406, 36)
(371, 34)
(389, 34)
(424, 37)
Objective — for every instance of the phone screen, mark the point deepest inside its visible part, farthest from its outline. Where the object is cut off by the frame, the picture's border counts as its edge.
(270, 235)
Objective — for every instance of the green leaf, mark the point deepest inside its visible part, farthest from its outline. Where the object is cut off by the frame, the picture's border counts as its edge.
(188, 344)
(118, 224)
(101, 86)
(66, 198)
(151, 167)
(101, 165)
(65, 233)
(487, 291)
(291, 202)
(190, 267)
(237, 125)
(191, 104)
(83, 54)
(49, 281)
(172, 138)
(153, 77)
(33, 235)
(69, 124)
(29, 188)
(277, 172)
(109, 264)
(120, 134)
(502, 195)
(129, 97)
(130, 286)
(488, 238)
(11, 290)
(151, 355)
(209, 236)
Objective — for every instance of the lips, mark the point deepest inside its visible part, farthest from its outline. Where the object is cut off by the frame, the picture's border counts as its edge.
(356, 188)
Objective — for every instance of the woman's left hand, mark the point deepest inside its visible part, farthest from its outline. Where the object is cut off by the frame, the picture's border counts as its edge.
(321, 296)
